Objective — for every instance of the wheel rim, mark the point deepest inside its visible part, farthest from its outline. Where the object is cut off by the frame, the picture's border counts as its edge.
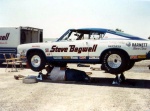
(35, 61)
(114, 61)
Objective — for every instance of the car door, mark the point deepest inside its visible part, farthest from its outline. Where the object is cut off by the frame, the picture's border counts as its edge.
(70, 50)
(96, 44)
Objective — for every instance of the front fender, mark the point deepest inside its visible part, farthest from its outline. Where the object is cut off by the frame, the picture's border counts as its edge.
(34, 50)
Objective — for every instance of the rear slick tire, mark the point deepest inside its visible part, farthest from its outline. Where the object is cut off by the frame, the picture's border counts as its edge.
(115, 61)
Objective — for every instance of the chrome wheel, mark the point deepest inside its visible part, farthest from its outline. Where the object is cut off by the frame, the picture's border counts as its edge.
(35, 61)
(114, 61)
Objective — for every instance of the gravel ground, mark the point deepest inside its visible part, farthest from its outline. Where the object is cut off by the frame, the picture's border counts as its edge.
(101, 95)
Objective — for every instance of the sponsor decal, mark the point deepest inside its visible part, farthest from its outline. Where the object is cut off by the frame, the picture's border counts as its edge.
(141, 56)
(116, 42)
(35, 46)
(48, 54)
(47, 50)
(133, 57)
(139, 46)
(115, 46)
(82, 57)
(128, 44)
(4, 37)
(74, 57)
(73, 48)
(138, 57)
(93, 57)
(57, 57)
(66, 57)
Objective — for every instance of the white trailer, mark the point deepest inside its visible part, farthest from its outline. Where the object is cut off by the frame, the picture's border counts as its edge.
(11, 37)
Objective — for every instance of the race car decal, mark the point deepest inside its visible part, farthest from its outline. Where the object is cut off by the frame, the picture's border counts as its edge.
(77, 57)
(73, 48)
(139, 44)
(48, 54)
(137, 56)
(136, 44)
(82, 57)
(133, 57)
(74, 57)
(141, 56)
(93, 57)
(35, 46)
(116, 42)
(128, 44)
(57, 57)
(115, 46)
(47, 50)
(140, 48)
(66, 57)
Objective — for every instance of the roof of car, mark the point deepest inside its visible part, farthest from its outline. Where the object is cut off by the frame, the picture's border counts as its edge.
(103, 30)
(95, 29)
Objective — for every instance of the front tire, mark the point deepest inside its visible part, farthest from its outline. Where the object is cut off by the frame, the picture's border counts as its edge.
(115, 62)
(36, 61)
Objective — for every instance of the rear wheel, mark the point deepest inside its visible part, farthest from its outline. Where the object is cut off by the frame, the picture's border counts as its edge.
(115, 61)
(36, 61)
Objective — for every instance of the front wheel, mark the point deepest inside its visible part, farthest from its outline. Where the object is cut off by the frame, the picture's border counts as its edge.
(115, 62)
(36, 61)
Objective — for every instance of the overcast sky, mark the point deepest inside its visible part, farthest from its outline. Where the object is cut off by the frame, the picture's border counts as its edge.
(57, 16)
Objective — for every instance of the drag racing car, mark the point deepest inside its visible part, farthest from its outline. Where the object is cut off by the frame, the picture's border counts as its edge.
(116, 51)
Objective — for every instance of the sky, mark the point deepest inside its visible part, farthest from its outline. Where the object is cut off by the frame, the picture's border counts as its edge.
(57, 16)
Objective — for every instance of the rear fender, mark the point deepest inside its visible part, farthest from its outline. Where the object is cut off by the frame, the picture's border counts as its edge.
(104, 52)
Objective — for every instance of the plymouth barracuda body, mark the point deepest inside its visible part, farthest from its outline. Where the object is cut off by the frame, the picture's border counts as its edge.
(117, 51)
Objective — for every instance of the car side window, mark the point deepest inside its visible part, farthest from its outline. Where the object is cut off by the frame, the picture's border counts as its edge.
(85, 37)
(96, 36)
(73, 36)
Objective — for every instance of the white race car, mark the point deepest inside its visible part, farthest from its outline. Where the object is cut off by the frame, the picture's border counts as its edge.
(116, 51)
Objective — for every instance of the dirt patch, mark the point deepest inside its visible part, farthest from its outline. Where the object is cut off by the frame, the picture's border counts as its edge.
(100, 95)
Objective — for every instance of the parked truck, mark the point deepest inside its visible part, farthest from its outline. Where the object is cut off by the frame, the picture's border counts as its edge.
(11, 37)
